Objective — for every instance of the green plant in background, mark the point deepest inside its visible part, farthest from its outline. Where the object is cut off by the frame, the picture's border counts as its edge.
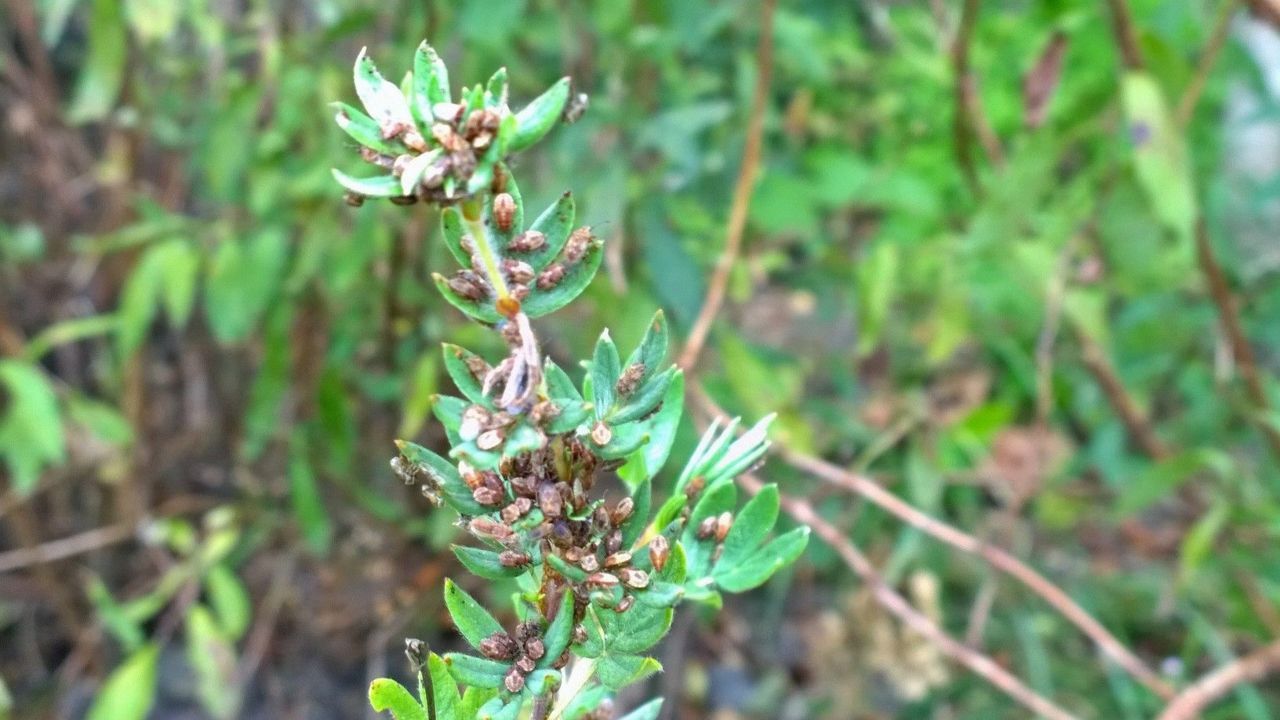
(597, 580)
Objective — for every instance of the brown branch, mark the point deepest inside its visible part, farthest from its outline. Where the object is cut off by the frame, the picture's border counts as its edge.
(1135, 420)
(1188, 704)
(998, 558)
(1208, 58)
(1126, 34)
(963, 87)
(742, 192)
(1229, 316)
(978, 663)
(64, 547)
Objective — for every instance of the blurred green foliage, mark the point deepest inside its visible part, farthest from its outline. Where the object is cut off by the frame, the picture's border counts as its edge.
(182, 288)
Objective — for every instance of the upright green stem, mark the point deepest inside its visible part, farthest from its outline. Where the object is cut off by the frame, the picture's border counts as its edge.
(475, 228)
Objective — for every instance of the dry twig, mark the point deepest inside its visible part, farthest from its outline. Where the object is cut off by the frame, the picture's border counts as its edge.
(742, 192)
(998, 558)
(1229, 316)
(1188, 704)
(1208, 58)
(1136, 423)
(64, 547)
(1126, 34)
(919, 623)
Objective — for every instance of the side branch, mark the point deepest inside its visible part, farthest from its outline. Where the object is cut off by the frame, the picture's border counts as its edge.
(742, 192)
(1190, 702)
(1229, 316)
(897, 605)
(998, 558)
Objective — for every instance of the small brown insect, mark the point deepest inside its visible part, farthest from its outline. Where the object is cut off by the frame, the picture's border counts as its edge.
(543, 411)
(519, 292)
(659, 551)
(614, 543)
(574, 109)
(589, 562)
(534, 648)
(602, 579)
(504, 211)
(617, 559)
(525, 485)
(625, 604)
(476, 366)
(487, 528)
(622, 511)
(499, 646)
(490, 439)
(528, 629)
(579, 634)
(514, 681)
(403, 199)
(706, 528)
(518, 271)
(601, 434)
(514, 558)
(469, 285)
(517, 509)
(528, 241)
(550, 277)
(447, 138)
(550, 501)
(635, 578)
(723, 524)
(414, 141)
(579, 243)
(630, 379)
(353, 199)
(487, 496)
(525, 664)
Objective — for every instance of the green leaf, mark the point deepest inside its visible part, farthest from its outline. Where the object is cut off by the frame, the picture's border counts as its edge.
(485, 563)
(181, 265)
(780, 552)
(604, 374)
(452, 230)
(483, 311)
(140, 300)
(229, 600)
(538, 117)
(383, 100)
(363, 129)
(305, 497)
(386, 694)
(430, 83)
(213, 661)
(243, 278)
(647, 711)
(646, 462)
(129, 690)
(31, 435)
(1197, 544)
(102, 70)
(555, 223)
(634, 525)
(443, 473)
(576, 278)
(652, 349)
(714, 501)
(448, 700)
(1160, 154)
(455, 363)
(377, 186)
(618, 671)
(877, 277)
(474, 671)
(750, 527)
(644, 400)
(472, 620)
(559, 632)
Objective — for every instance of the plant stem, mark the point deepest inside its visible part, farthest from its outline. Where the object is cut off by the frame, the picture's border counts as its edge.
(475, 228)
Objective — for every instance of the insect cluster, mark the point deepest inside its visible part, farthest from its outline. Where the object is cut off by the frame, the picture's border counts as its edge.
(597, 573)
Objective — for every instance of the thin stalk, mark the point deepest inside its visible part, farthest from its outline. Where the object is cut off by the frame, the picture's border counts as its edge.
(488, 258)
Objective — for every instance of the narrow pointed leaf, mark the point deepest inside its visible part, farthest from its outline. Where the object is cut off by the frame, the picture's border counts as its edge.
(472, 620)
(538, 117)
